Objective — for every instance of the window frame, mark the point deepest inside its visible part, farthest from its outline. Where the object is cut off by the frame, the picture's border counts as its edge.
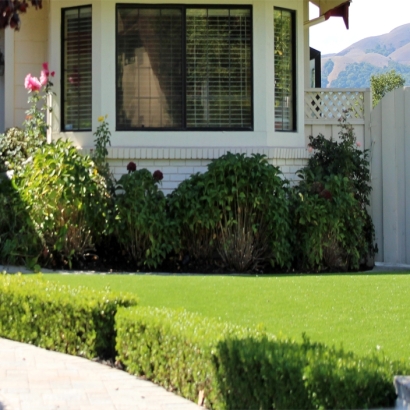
(294, 70)
(62, 59)
(183, 8)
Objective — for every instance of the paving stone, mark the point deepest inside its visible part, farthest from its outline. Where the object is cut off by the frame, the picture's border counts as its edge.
(32, 378)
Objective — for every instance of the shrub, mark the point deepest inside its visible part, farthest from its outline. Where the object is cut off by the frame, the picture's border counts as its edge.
(77, 321)
(247, 368)
(19, 243)
(329, 222)
(65, 198)
(383, 83)
(16, 147)
(238, 207)
(100, 154)
(141, 225)
(343, 157)
(345, 167)
(196, 218)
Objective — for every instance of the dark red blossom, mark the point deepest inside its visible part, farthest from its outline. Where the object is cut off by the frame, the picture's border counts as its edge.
(317, 187)
(158, 175)
(326, 194)
(10, 11)
(131, 167)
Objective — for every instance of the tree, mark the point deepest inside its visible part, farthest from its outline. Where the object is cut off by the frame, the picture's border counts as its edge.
(383, 83)
(10, 11)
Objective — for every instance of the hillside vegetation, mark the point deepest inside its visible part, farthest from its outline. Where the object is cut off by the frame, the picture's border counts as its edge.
(353, 66)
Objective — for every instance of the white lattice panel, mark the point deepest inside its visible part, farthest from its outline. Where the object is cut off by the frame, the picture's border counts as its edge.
(322, 104)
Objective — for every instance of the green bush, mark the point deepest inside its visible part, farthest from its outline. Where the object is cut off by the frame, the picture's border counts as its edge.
(100, 153)
(77, 321)
(196, 218)
(19, 243)
(383, 83)
(344, 158)
(246, 368)
(16, 146)
(141, 225)
(65, 198)
(239, 208)
(329, 223)
(330, 211)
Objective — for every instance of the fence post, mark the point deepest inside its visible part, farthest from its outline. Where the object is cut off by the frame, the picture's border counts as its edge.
(376, 174)
(407, 171)
(367, 96)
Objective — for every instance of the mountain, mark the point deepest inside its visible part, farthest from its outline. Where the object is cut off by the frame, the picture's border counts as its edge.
(353, 66)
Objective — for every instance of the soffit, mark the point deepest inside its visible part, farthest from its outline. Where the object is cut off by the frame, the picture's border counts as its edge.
(326, 5)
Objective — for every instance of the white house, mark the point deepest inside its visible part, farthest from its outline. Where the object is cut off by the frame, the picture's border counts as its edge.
(182, 82)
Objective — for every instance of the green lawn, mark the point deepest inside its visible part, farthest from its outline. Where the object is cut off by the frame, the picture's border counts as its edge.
(364, 312)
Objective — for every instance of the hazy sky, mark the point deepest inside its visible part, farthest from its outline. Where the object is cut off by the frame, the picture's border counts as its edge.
(367, 18)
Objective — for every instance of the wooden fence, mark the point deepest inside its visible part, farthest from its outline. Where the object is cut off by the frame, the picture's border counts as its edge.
(390, 168)
(324, 107)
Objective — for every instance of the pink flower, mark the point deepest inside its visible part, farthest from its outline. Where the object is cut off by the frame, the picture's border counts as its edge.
(45, 69)
(358, 144)
(52, 73)
(32, 83)
(43, 77)
(27, 81)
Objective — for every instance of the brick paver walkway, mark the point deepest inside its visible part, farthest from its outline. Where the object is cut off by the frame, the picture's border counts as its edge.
(37, 379)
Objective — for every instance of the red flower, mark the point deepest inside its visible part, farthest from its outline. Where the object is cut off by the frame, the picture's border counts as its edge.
(326, 194)
(158, 175)
(131, 167)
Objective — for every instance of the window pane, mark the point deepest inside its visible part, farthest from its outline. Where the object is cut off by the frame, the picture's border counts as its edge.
(77, 69)
(218, 68)
(149, 67)
(284, 70)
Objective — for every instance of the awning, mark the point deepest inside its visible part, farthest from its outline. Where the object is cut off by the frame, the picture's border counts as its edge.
(332, 8)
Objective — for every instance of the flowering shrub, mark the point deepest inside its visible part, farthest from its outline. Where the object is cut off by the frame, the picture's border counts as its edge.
(35, 125)
(19, 242)
(331, 157)
(328, 222)
(17, 145)
(237, 209)
(331, 221)
(141, 225)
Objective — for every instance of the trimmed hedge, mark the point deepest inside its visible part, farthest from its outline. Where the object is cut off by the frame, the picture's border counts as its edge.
(77, 321)
(243, 368)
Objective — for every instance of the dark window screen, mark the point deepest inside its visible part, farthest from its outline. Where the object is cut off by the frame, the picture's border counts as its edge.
(218, 60)
(149, 64)
(184, 68)
(77, 69)
(285, 45)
